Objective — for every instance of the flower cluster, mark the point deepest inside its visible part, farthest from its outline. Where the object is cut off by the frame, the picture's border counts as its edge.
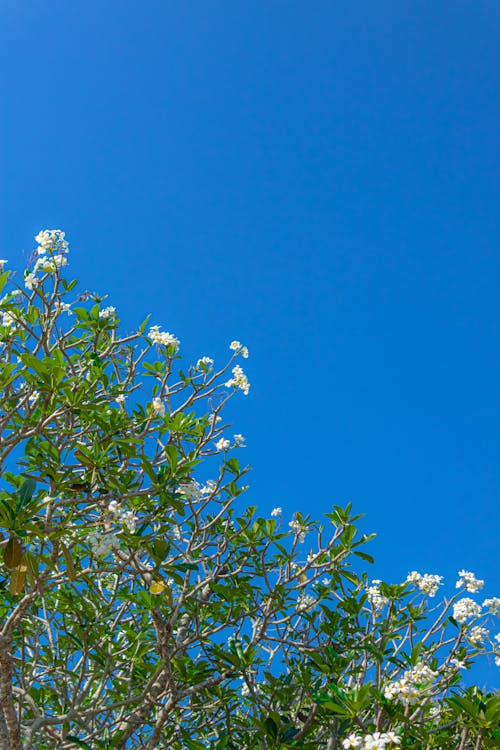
(223, 444)
(407, 689)
(195, 491)
(158, 407)
(205, 364)
(51, 241)
(102, 543)
(239, 380)
(493, 605)
(469, 581)
(478, 634)
(428, 583)
(305, 601)
(121, 515)
(62, 307)
(375, 741)
(163, 338)
(52, 250)
(465, 608)
(237, 347)
(107, 312)
(298, 528)
(376, 599)
(8, 320)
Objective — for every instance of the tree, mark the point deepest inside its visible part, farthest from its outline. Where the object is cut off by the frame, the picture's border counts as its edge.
(143, 607)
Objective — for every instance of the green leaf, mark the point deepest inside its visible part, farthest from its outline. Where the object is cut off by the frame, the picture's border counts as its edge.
(25, 493)
(70, 568)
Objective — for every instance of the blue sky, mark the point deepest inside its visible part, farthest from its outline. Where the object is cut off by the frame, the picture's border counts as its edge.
(318, 180)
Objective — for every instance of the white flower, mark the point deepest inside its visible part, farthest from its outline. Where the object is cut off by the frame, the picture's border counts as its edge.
(239, 441)
(120, 399)
(465, 608)
(205, 363)
(63, 307)
(478, 634)
(299, 530)
(2, 264)
(101, 543)
(493, 605)
(214, 418)
(30, 281)
(50, 264)
(191, 489)
(457, 663)
(353, 740)
(222, 444)
(470, 581)
(326, 581)
(305, 601)
(239, 380)
(407, 689)
(497, 661)
(158, 407)
(497, 637)
(8, 319)
(107, 312)
(428, 583)
(237, 347)
(33, 397)
(122, 515)
(163, 338)
(376, 599)
(276, 512)
(51, 241)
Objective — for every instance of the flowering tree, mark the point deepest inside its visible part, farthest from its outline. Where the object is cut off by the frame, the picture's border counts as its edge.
(142, 607)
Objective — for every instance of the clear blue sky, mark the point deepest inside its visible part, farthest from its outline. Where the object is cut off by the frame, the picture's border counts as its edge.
(317, 179)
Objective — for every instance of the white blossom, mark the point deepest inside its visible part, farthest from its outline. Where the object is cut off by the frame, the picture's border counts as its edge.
(493, 605)
(469, 581)
(30, 281)
(465, 608)
(407, 689)
(299, 530)
(223, 444)
(237, 347)
(102, 543)
(50, 264)
(376, 599)
(428, 583)
(478, 634)
(205, 363)
(122, 515)
(107, 312)
(276, 512)
(158, 407)
(61, 307)
(51, 241)
(239, 380)
(239, 441)
(305, 601)
(2, 264)
(163, 338)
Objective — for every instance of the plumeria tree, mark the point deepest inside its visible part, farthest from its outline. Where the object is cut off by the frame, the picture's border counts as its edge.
(144, 606)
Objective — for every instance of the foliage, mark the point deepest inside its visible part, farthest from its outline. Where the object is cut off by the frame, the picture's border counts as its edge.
(141, 607)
